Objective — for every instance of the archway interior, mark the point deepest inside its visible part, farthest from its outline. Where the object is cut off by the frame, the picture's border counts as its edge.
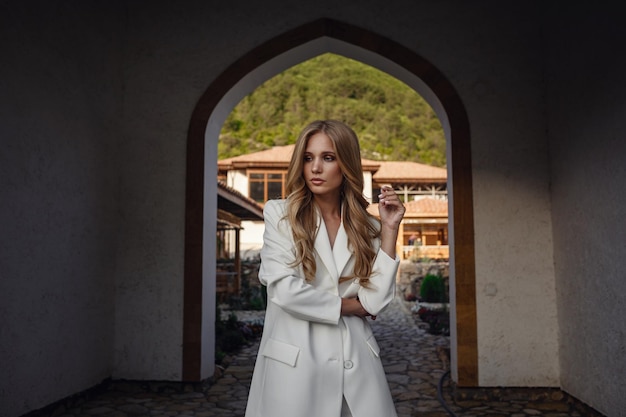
(271, 68)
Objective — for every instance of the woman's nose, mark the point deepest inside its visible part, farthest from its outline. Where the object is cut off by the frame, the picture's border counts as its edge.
(316, 166)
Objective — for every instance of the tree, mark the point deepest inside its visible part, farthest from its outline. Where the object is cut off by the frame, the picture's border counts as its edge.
(392, 121)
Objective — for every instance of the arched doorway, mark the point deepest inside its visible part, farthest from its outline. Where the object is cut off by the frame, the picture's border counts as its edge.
(267, 60)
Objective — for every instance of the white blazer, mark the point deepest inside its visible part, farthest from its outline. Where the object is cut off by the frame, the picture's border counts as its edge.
(310, 356)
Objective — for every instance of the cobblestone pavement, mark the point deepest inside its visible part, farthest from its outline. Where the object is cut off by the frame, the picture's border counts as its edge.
(412, 362)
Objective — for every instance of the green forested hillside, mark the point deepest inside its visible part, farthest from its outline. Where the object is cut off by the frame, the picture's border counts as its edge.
(392, 121)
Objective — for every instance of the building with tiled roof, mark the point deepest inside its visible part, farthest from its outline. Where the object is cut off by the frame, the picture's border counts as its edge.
(261, 176)
(233, 208)
(277, 157)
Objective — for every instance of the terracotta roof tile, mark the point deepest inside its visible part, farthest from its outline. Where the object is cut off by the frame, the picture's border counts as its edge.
(424, 207)
(278, 156)
(428, 206)
(395, 171)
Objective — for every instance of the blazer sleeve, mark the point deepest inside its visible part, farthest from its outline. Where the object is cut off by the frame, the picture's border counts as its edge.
(382, 287)
(286, 286)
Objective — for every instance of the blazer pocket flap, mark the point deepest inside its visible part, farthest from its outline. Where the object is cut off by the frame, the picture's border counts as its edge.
(281, 351)
(371, 342)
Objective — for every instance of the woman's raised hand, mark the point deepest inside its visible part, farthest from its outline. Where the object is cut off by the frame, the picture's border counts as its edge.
(390, 207)
(391, 212)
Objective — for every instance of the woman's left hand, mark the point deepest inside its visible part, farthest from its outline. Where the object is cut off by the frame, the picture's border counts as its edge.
(391, 212)
(390, 207)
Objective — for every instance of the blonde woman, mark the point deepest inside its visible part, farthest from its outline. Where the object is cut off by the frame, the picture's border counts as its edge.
(329, 267)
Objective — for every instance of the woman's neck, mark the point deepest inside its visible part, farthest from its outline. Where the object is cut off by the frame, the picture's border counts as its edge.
(330, 210)
(329, 207)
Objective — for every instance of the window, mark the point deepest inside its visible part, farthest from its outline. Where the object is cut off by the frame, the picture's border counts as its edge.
(266, 185)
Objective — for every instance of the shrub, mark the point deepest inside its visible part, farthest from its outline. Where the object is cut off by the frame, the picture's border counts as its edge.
(433, 289)
(229, 336)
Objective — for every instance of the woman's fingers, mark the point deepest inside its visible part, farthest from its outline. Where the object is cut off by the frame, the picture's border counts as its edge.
(388, 195)
(390, 205)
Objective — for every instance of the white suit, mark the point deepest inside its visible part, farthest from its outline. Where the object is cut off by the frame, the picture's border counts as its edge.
(310, 356)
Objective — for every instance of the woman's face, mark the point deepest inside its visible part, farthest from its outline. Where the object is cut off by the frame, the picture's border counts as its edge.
(321, 169)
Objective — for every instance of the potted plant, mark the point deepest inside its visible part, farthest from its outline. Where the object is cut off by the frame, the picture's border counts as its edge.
(433, 305)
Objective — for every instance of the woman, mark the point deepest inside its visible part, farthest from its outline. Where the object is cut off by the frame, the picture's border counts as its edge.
(328, 265)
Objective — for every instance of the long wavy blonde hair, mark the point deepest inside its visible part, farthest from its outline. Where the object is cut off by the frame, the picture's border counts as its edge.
(302, 213)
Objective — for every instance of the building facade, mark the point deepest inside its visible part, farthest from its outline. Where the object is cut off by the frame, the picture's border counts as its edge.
(260, 176)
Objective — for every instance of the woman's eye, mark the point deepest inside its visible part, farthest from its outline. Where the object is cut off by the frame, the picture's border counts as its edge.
(307, 159)
(329, 158)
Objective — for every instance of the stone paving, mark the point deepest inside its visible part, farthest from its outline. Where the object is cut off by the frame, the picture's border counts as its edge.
(412, 360)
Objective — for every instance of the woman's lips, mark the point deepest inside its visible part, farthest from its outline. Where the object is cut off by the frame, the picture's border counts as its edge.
(317, 181)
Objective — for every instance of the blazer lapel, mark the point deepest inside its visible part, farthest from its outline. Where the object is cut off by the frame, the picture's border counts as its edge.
(323, 249)
(341, 252)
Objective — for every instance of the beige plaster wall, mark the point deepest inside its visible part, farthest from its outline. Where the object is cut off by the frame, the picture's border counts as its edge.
(98, 101)
(60, 107)
(586, 101)
(491, 55)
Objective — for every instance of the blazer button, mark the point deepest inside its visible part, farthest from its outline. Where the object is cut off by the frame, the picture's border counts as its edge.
(348, 364)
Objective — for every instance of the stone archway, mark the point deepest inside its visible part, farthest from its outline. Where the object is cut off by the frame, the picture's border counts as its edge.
(271, 57)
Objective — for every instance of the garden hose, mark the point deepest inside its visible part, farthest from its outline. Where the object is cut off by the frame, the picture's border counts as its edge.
(440, 394)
